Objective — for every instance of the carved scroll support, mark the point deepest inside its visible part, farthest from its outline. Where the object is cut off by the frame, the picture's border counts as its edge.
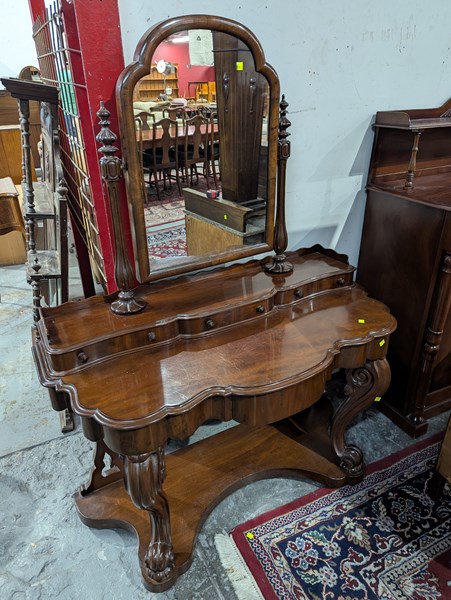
(111, 171)
(144, 475)
(363, 386)
(413, 161)
(433, 339)
(27, 177)
(279, 263)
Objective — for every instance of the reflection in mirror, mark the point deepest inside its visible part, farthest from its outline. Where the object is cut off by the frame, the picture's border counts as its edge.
(201, 119)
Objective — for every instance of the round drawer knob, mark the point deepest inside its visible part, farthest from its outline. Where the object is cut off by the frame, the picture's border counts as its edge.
(298, 293)
(209, 323)
(151, 336)
(340, 281)
(82, 357)
(260, 309)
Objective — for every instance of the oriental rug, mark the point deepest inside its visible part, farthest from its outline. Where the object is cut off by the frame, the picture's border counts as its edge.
(383, 539)
(166, 243)
(164, 213)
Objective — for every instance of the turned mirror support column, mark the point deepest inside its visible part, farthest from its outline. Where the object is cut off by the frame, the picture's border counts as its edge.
(111, 171)
(144, 475)
(279, 262)
(363, 386)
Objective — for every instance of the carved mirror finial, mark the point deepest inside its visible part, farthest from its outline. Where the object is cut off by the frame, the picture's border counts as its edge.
(279, 263)
(110, 168)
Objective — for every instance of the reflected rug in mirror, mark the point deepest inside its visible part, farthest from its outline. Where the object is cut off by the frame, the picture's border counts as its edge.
(383, 539)
(157, 214)
(168, 242)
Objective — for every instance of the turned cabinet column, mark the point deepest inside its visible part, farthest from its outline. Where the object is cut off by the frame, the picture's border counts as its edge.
(434, 336)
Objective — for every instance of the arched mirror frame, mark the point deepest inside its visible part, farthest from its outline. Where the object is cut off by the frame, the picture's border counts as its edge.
(124, 95)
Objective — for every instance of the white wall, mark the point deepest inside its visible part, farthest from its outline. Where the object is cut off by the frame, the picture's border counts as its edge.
(17, 48)
(338, 62)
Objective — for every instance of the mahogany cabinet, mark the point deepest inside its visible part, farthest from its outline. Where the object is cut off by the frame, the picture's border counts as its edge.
(405, 257)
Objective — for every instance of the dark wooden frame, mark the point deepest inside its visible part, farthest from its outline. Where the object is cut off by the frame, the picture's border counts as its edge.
(124, 94)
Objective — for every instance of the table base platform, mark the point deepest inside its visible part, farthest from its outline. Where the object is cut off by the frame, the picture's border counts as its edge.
(199, 477)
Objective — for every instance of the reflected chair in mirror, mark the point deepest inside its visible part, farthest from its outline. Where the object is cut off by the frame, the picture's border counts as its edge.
(145, 119)
(144, 173)
(160, 159)
(211, 151)
(174, 112)
(192, 152)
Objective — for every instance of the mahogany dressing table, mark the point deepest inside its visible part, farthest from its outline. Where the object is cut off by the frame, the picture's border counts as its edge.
(252, 341)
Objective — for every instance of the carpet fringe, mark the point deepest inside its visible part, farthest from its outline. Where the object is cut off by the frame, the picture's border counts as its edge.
(239, 575)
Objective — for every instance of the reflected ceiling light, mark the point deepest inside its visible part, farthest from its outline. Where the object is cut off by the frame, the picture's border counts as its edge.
(182, 39)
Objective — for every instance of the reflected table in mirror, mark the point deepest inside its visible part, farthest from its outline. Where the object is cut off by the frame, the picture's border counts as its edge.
(147, 135)
(231, 343)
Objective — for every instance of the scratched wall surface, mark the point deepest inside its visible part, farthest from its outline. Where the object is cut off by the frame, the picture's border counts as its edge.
(16, 43)
(338, 62)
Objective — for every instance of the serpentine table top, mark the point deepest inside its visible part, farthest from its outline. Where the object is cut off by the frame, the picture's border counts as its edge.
(231, 343)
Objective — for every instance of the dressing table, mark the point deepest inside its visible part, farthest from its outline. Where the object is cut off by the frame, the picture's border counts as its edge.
(254, 341)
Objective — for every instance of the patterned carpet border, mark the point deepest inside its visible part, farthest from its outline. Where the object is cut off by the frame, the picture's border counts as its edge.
(169, 242)
(297, 550)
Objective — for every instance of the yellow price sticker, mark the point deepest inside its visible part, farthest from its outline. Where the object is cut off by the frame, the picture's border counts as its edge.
(361, 321)
(225, 217)
(382, 343)
(239, 65)
(250, 535)
(377, 399)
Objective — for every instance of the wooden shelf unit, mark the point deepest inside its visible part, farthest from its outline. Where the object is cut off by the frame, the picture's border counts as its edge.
(153, 85)
(405, 257)
(45, 201)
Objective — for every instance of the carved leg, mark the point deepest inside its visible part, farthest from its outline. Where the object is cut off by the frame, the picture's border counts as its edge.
(103, 474)
(144, 475)
(363, 386)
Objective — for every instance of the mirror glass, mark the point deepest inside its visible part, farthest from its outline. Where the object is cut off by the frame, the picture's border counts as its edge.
(186, 71)
(203, 112)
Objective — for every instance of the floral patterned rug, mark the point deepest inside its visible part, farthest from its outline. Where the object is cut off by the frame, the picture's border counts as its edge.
(167, 243)
(157, 214)
(384, 539)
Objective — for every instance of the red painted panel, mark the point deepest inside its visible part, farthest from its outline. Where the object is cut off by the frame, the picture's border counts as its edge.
(93, 29)
(101, 62)
(36, 9)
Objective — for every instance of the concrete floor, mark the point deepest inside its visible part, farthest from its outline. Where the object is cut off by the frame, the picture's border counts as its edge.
(45, 551)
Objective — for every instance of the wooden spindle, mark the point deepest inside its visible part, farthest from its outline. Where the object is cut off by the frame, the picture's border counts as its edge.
(36, 289)
(27, 177)
(413, 162)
